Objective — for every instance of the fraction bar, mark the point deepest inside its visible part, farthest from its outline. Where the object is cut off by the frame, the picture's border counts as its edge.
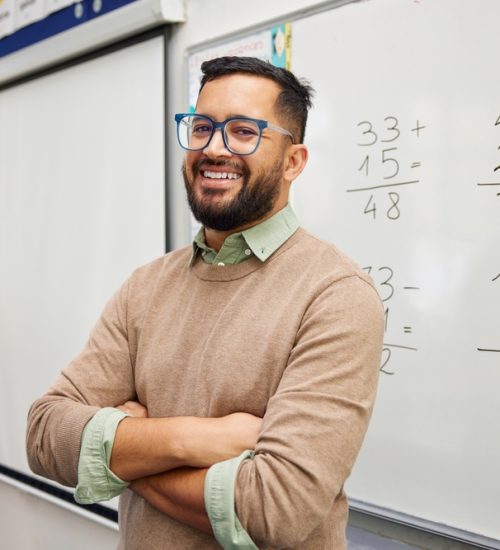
(484, 349)
(498, 194)
(383, 185)
(402, 347)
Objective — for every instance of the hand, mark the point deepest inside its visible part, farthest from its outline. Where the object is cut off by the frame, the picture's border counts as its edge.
(240, 431)
(148, 446)
(134, 408)
(211, 440)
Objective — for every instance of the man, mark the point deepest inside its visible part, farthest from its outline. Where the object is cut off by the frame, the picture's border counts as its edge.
(230, 383)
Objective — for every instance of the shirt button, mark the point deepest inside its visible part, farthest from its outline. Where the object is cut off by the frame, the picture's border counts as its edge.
(248, 252)
(221, 263)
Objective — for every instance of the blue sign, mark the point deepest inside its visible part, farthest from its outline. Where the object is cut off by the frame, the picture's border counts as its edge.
(57, 22)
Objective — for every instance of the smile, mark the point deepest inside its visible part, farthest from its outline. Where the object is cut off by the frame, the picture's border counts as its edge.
(221, 175)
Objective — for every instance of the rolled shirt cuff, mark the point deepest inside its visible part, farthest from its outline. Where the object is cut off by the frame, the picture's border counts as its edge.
(96, 482)
(219, 503)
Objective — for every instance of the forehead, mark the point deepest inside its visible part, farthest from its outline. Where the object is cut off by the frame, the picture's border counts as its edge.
(238, 94)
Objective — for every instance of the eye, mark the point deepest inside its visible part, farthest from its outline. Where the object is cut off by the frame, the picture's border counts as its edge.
(201, 128)
(243, 130)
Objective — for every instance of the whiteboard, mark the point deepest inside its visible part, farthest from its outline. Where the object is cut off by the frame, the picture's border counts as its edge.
(404, 176)
(82, 187)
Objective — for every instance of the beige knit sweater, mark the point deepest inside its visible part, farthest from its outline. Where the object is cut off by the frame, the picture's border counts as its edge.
(296, 339)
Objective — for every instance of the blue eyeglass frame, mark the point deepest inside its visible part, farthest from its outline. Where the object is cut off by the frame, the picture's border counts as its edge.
(261, 124)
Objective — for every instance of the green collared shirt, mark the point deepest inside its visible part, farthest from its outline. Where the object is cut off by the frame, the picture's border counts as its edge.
(96, 481)
(261, 240)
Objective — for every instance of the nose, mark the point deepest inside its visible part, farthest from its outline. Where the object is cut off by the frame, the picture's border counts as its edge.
(216, 147)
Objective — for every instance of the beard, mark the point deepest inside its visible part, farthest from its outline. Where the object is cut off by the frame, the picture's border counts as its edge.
(254, 200)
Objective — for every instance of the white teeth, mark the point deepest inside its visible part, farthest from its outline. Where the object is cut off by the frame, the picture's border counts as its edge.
(221, 175)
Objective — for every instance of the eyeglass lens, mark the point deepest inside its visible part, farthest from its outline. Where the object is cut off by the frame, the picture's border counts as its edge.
(241, 135)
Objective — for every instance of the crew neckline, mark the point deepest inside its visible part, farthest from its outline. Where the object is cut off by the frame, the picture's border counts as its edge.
(222, 273)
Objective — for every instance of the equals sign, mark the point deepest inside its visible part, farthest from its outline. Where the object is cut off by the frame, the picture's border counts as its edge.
(407, 330)
(416, 165)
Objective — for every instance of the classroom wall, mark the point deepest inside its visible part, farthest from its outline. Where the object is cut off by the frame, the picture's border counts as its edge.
(206, 20)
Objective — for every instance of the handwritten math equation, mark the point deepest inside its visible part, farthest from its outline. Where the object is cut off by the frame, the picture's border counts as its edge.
(495, 185)
(387, 286)
(381, 173)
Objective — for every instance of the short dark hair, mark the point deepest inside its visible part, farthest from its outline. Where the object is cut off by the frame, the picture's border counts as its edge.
(294, 100)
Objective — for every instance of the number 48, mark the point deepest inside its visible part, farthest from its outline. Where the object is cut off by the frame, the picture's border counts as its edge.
(392, 212)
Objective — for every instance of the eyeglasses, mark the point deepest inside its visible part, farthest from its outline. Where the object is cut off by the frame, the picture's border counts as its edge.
(241, 135)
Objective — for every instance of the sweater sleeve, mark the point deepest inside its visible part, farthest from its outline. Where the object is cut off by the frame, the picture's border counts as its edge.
(315, 423)
(100, 376)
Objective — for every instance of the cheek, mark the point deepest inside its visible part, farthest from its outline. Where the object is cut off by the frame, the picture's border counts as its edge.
(255, 166)
(189, 167)
(262, 166)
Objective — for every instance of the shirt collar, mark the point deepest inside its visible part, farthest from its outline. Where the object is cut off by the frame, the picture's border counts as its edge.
(261, 240)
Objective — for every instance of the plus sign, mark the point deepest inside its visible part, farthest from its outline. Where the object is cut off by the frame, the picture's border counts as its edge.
(418, 128)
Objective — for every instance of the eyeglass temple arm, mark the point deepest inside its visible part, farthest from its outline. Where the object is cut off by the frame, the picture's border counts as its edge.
(281, 131)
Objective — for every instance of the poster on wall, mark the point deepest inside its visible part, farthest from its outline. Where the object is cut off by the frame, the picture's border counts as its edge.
(6, 17)
(273, 45)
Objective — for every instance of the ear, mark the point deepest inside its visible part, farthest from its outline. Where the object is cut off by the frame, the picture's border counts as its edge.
(295, 161)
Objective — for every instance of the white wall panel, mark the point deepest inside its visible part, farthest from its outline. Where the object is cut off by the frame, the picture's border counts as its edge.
(81, 205)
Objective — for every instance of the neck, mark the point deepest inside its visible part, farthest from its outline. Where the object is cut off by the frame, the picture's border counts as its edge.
(215, 239)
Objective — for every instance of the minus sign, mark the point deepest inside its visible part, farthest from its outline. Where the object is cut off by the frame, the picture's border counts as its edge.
(491, 183)
(411, 288)
(483, 349)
